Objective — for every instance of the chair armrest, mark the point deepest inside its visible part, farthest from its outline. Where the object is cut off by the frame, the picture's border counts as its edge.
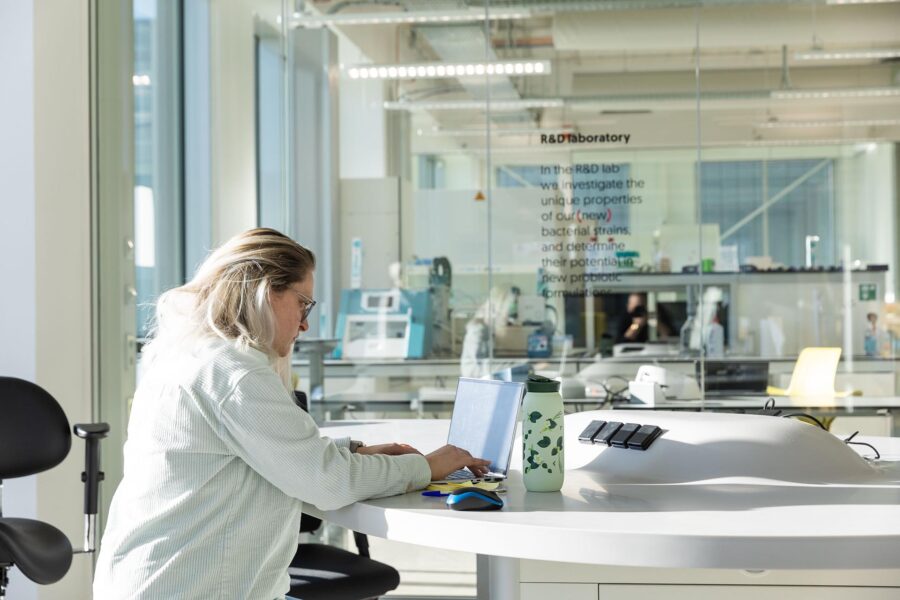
(89, 431)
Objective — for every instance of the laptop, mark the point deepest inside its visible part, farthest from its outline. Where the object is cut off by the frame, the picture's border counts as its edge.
(735, 378)
(485, 415)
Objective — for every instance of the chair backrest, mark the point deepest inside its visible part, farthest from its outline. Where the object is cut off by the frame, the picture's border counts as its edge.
(814, 372)
(34, 431)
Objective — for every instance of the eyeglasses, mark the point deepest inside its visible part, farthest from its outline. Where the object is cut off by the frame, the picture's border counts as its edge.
(308, 303)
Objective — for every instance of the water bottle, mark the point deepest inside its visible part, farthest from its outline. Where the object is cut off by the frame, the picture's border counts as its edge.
(543, 452)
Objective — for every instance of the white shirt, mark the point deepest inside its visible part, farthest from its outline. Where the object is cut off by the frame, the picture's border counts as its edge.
(218, 463)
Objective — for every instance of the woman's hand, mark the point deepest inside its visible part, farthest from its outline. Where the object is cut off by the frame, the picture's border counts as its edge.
(391, 449)
(448, 459)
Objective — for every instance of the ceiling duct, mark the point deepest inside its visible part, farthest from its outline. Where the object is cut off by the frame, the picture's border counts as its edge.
(760, 27)
(467, 43)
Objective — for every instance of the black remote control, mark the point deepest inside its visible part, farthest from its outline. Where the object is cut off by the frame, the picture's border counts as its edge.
(620, 440)
(608, 431)
(643, 437)
(587, 436)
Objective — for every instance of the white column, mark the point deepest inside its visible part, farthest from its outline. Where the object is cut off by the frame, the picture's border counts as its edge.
(63, 270)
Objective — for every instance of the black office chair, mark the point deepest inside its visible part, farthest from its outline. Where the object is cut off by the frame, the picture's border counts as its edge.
(34, 437)
(322, 572)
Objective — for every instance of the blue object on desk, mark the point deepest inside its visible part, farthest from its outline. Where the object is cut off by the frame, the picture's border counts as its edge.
(473, 498)
(435, 493)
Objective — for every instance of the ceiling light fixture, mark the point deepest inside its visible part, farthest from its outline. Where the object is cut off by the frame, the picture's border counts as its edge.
(835, 93)
(838, 2)
(443, 70)
(494, 105)
(871, 54)
(418, 17)
(495, 131)
(837, 123)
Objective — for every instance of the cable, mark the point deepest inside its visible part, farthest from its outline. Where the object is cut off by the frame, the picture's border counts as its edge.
(806, 416)
(874, 449)
(614, 395)
(769, 408)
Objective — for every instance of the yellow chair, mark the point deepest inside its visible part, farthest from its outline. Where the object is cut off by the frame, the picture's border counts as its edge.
(813, 375)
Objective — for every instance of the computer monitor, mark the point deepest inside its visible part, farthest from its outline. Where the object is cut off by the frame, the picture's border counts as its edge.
(746, 377)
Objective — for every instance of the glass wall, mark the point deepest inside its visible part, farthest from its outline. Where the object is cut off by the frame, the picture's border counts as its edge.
(577, 189)
(581, 188)
(158, 206)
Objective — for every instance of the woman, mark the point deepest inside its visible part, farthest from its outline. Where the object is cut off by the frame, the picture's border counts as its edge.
(219, 460)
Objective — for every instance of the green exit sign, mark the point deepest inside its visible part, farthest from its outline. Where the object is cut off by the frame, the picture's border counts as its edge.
(868, 291)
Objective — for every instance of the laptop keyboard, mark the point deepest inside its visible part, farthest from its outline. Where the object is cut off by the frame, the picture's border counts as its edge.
(461, 474)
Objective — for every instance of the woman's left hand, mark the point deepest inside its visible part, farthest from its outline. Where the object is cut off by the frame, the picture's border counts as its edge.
(392, 449)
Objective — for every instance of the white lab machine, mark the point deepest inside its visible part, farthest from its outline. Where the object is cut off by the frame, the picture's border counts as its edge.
(653, 384)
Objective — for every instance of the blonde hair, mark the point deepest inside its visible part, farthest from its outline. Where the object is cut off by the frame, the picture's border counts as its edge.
(228, 298)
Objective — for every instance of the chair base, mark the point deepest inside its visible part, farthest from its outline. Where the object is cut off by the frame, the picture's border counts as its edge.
(4, 581)
(320, 572)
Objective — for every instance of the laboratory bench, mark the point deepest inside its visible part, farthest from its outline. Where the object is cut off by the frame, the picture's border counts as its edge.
(871, 376)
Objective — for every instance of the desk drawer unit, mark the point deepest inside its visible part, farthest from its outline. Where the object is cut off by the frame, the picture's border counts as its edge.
(737, 592)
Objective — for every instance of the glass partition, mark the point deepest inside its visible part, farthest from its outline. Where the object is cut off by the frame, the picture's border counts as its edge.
(579, 189)
(158, 205)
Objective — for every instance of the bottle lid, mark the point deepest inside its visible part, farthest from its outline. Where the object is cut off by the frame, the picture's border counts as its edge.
(537, 383)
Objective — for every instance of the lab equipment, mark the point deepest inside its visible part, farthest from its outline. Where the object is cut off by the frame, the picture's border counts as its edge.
(870, 343)
(653, 384)
(715, 340)
(728, 378)
(384, 323)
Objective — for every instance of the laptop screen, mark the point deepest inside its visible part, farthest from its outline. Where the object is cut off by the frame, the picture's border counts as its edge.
(484, 419)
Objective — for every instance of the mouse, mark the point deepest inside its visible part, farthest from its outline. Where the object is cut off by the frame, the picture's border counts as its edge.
(473, 498)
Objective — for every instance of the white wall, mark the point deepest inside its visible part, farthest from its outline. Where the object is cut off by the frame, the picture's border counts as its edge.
(45, 247)
(17, 308)
(866, 202)
(370, 211)
(44, 244)
(232, 122)
(63, 256)
(361, 120)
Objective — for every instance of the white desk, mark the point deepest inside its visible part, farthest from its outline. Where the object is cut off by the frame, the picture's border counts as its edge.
(609, 535)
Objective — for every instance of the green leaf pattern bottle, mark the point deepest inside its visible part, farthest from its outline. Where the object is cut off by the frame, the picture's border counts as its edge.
(543, 456)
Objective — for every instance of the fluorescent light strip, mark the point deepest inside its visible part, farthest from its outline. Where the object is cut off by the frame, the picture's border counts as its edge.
(835, 93)
(840, 123)
(494, 105)
(495, 131)
(442, 70)
(411, 17)
(872, 54)
(140, 80)
(838, 2)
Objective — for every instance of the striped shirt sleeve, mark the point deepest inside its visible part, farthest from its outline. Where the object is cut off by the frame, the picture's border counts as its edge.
(261, 424)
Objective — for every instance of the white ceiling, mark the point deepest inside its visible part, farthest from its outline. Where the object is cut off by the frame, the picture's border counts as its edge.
(635, 69)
